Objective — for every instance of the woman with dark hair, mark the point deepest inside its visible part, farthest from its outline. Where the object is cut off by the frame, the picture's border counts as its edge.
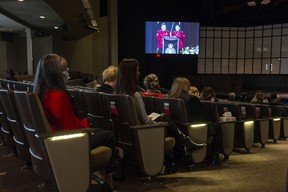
(50, 86)
(197, 113)
(128, 72)
(208, 94)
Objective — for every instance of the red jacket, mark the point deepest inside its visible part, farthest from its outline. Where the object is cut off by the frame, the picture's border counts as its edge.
(160, 35)
(181, 36)
(59, 111)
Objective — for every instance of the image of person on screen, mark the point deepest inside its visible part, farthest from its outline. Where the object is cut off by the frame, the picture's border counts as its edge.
(163, 32)
(180, 35)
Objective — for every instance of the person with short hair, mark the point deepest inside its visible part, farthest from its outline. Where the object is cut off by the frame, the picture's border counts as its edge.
(109, 78)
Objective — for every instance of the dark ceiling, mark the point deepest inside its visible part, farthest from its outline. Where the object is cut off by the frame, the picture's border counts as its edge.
(220, 12)
(71, 17)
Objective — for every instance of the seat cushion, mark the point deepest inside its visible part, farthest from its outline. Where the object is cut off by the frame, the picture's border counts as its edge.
(169, 144)
(100, 157)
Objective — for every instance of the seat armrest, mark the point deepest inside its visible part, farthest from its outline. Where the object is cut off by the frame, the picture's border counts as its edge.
(60, 133)
(147, 126)
(195, 123)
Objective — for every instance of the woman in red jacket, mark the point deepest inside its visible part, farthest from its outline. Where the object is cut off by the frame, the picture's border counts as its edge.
(50, 85)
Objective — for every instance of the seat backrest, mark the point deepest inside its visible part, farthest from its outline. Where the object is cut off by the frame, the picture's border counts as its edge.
(29, 118)
(211, 109)
(77, 99)
(143, 144)
(173, 107)
(8, 102)
(150, 104)
(247, 110)
(121, 110)
(59, 151)
(231, 107)
(275, 111)
(5, 128)
(94, 105)
(263, 111)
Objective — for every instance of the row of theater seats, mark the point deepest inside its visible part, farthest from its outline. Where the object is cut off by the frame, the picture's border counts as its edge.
(102, 108)
(118, 114)
(35, 140)
(53, 156)
(251, 123)
(146, 145)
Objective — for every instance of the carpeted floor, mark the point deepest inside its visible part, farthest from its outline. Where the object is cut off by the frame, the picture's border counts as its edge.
(264, 169)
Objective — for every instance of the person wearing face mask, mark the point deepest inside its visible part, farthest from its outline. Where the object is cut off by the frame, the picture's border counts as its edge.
(57, 104)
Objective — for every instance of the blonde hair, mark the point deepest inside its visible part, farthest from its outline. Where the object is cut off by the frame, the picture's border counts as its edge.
(180, 85)
(193, 91)
(151, 81)
(110, 74)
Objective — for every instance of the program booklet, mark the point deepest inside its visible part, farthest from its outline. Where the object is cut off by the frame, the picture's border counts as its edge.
(154, 115)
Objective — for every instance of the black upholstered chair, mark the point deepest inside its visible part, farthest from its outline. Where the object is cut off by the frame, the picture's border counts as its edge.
(96, 113)
(227, 127)
(6, 129)
(143, 144)
(275, 123)
(65, 156)
(244, 129)
(197, 131)
(150, 104)
(77, 98)
(261, 124)
(21, 144)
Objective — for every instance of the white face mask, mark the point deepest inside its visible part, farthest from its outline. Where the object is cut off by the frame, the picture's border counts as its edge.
(66, 76)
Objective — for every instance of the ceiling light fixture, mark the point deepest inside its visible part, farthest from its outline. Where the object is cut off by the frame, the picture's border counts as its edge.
(56, 27)
(20, 0)
(265, 2)
(42, 17)
(251, 3)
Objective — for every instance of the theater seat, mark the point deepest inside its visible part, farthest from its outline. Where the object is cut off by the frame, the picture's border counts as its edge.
(65, 155)
(227, 127)
(143, 144)
(244, 129)
(94, 105)
(8, 102)
(197, 131)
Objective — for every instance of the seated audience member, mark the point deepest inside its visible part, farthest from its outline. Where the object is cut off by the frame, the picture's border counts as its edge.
(151, 83)
(244, 97)
(11, 75)
(193, 91)
(259, 98)
(128, 74)
(109, 78)
(49, 85)
(196, 113)
(275, 100)
(208, 94)
(231, 96)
